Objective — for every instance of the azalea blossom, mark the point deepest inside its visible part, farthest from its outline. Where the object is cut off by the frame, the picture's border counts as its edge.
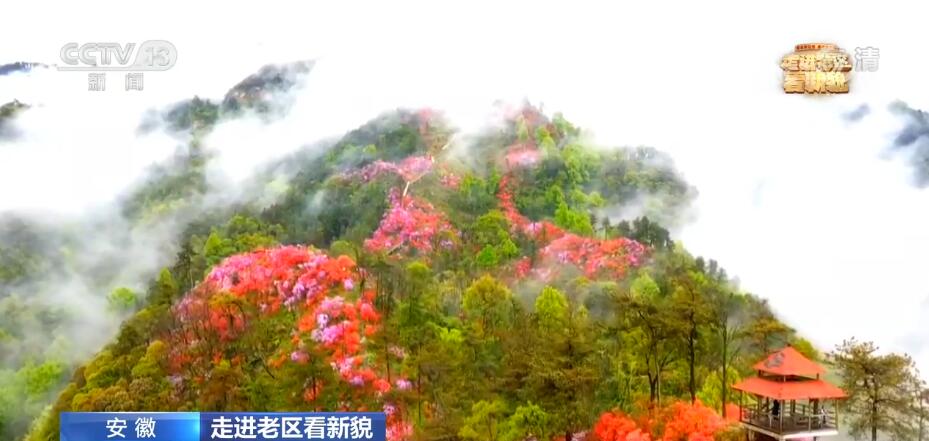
(593, 256)
(522, 155)
(299, 357)
(310, 284)
(409, 225)
(404, 384)
(410, 169)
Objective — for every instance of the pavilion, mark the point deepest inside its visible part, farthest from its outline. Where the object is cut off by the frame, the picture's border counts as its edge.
(790, 400)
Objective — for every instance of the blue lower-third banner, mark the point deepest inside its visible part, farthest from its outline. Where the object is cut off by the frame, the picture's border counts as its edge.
(203, 426)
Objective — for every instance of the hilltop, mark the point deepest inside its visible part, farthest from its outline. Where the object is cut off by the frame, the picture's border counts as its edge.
(402, 262)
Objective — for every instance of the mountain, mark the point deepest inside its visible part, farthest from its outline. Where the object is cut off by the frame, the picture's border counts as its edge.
(267, 87)
(459, 284)
(9, 111)
(19, 66)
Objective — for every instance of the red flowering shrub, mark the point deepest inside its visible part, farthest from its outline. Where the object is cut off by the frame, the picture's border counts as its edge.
(315, 289)
(691, 422)
(611, 257)
(614, 426)
(733, 412)
(679, 421)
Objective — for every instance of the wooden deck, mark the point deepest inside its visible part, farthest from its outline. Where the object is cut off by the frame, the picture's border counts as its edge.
(789, 423)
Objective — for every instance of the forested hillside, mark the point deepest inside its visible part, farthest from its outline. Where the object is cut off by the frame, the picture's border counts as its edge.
(472, 288)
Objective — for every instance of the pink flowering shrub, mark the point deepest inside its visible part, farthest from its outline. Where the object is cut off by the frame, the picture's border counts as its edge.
(411, 224)
(410, 169)
(522, 155)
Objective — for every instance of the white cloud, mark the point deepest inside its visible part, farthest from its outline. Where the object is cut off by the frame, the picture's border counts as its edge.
(793, 200)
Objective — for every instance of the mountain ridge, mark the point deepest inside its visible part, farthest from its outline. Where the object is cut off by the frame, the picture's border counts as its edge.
(439, 254)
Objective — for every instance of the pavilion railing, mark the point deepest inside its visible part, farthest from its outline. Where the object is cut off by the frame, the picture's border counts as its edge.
(801, 419)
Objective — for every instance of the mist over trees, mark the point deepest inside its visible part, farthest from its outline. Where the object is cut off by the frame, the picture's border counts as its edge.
(479, 292)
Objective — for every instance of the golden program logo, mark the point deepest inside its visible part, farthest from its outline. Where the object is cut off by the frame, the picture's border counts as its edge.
(821, 68)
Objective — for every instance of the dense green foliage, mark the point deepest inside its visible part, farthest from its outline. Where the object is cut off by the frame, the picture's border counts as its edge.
(484, 334)
(550, 354)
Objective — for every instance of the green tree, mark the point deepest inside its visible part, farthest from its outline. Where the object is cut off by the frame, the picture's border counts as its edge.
(645, 311)
(216, 249)
(563, 372)
(485, 421)
(713, 389)
(122, 299)
(418, 310)
(805, 347)
(573, 220)
(551, 310)
(728, 327)
(879, 387)
(764, 330)
(643, 230)
(153, 362)
(489, 302)
(693, 314)
(165, 288)
(487, 258)
(447, 365)
(476, 195)
(527, 422)
(239, 234)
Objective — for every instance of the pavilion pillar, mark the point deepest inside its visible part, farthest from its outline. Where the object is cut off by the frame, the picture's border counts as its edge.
(780, 416)
(741, 396)
(767, 409)
(816, 412)
(809, 414)
(836, 414)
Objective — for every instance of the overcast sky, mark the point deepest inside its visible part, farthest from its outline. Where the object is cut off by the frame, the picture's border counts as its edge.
(804, 207)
